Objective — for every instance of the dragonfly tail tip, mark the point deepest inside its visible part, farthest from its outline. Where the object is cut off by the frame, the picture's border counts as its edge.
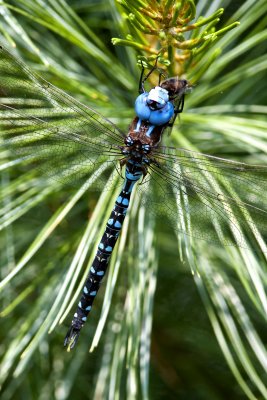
(71, 338)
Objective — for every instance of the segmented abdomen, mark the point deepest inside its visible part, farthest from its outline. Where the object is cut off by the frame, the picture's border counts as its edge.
(105, 248)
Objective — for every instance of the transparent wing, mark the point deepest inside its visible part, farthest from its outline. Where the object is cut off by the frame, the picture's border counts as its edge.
(38, 121)
(206, 197)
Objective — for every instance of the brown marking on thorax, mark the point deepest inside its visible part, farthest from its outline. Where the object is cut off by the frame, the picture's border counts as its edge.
(154, 138)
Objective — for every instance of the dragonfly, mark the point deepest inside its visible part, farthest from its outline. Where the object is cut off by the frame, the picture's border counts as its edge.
(206, 197)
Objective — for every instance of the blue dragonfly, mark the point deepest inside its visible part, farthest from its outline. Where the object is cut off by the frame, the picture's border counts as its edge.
(206, 197)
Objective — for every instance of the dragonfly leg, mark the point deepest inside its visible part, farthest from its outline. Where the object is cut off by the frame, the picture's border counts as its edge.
(141, 88)
(162, 74)
(143, 79)
(180, 105)
(177, 110)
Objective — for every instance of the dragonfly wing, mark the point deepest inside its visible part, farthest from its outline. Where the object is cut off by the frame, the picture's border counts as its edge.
(44, 124)
(207, 197)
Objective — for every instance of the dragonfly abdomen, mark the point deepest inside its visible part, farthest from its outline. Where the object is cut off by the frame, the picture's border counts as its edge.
(105, 248)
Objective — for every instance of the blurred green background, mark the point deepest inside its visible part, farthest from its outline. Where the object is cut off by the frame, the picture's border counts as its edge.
(208, 333)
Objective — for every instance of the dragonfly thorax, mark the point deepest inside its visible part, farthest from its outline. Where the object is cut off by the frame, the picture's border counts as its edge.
(136, 150)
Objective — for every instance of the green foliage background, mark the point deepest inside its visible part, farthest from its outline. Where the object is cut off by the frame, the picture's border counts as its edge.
(208, 304)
